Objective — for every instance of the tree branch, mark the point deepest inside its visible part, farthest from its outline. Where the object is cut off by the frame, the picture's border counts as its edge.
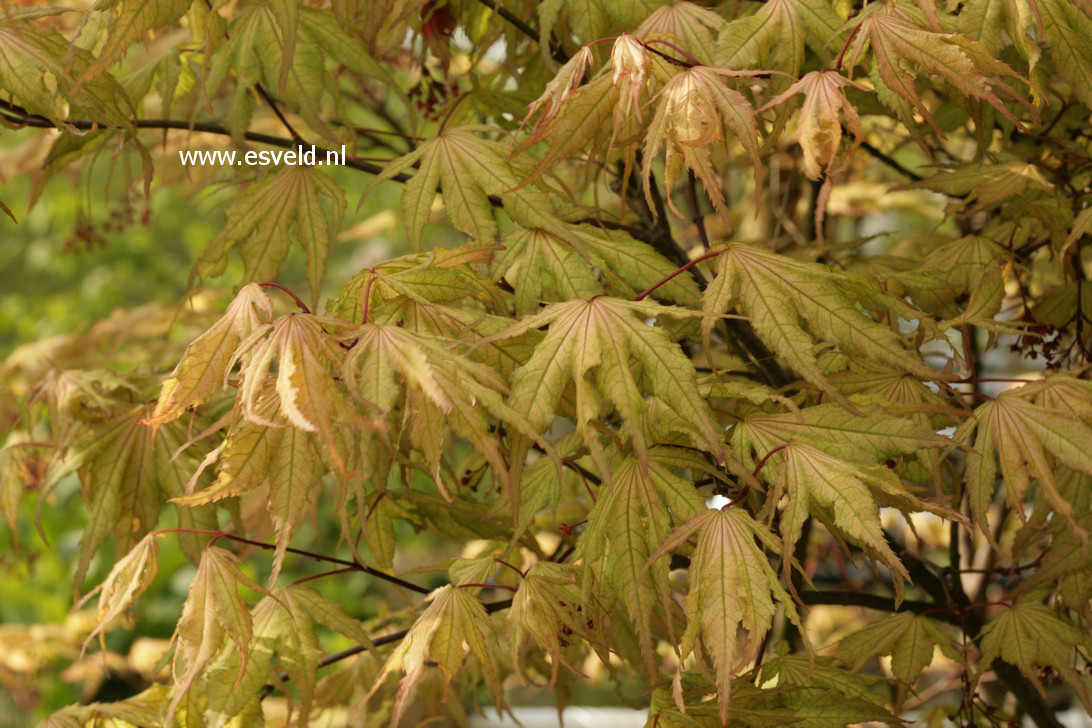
(890, 162)
(18, 115)
(519, 24)
(352, 565)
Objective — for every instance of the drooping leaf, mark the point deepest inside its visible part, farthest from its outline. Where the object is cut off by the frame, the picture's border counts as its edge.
(624, 528)
(307, 395)
(204, 367)
(986, 185)
(819, 124)
(128, 470)
(1023, 437)
(695, 110)
(284, 637)
(454, 617)
(899, 44)
(1068, 27)
(1030, 634)
(129, 21)
(213, 610)
(836, 492)
(910, 639)
(793, 305)
(261, 220)
(442, 388)
(732, 587)
(130, 577)
(548, 609)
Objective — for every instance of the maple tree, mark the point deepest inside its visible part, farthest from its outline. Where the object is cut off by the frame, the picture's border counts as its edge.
(648, 364)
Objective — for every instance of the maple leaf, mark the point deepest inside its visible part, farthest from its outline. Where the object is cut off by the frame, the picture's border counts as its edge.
(541, 262)
(986, 185)
(792, 304)
(1068, 28)
(603, 337)
(34, 60)
(454, 618)
(1000, 22)
(260, 221)
(128, 579)
(285, 47)
(562, 86)
(213, 610)
(1082, 225)
(204, 365)
(308, 396)
(776, 35)
(732, 586)
(806, 671)
(594, 19)
(837, 492)
(898, 44)
(125, 468)
(468, 169)
(983, 305)
(818, 126)
(289, 460)
(441, 389)
(144, 708)
(547, 606)
(624, 528)
(909, 639)
(1021, 435)
(1029, 635)
(128, 23)
(585, 121)
(691, 26)
(693, 111)
(964, 261)
(417, 290)
(284, 636)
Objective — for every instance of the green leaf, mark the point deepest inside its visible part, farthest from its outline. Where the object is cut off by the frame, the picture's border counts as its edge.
(793, 305)
(454, 618)
(1030, 634)
(1022, 436)
(732, 587)
(1069, 30)
(129, 21)
(468, 169)
(909, 638)
(775, 36)
(900, 44)
(213, 610)
(624, 528)
(261, 219)
(603, 338)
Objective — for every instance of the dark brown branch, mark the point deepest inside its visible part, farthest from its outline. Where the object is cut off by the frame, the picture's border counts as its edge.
(18, 115)
(519, 24)
(890, 162)
(354, 565)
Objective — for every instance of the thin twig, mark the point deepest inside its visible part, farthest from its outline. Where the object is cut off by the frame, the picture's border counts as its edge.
(285, 289)
(681, 269)
(519, 24)
(356, 566)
